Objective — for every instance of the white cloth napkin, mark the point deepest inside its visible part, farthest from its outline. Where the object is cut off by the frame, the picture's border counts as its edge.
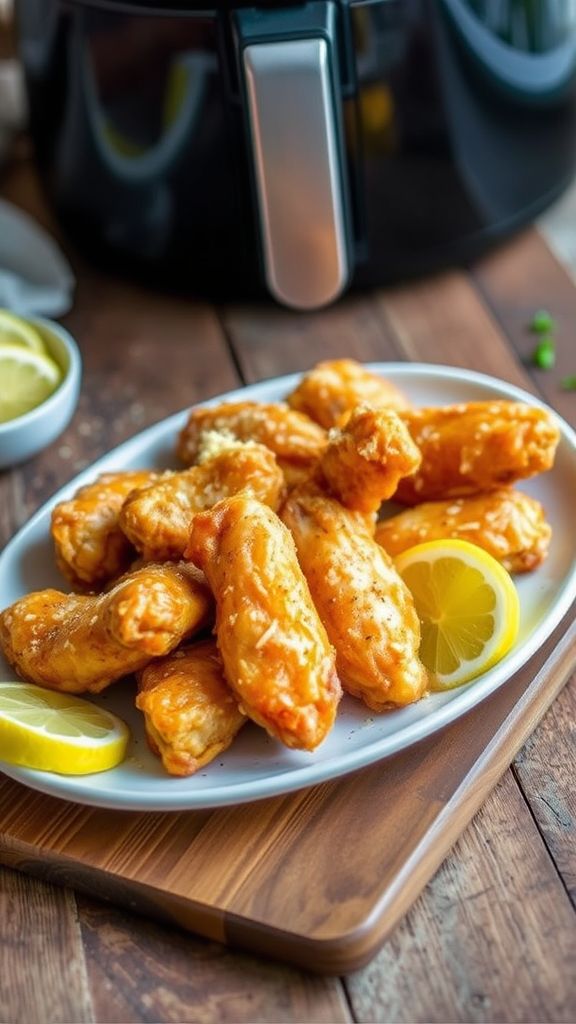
(35, 278)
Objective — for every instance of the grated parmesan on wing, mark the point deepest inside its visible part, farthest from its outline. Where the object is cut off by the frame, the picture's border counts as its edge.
(215, 442)
(266, 634)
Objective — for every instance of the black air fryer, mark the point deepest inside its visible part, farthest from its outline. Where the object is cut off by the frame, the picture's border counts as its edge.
(298, 149)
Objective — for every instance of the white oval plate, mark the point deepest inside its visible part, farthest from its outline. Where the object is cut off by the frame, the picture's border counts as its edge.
(257, 766)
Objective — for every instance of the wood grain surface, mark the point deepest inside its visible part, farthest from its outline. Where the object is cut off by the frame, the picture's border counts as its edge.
(492, 937)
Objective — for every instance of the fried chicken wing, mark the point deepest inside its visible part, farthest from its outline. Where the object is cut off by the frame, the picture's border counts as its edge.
(157, 518)
(190, 712)
(475, 447)
(334, 388)
(366, 608)
(364, 461)
(91, 549)
(508, 524)
(275, 651)
(295, 440)
(77, 643)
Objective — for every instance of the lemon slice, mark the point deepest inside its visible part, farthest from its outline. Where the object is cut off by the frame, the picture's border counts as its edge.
(27, 378)
(468, 608)
(16, 331)
(58, 732)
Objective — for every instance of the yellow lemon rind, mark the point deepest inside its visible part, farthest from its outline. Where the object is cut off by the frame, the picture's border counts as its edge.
(15, 330)
(507, 611)
(30, 747)
(44, 377)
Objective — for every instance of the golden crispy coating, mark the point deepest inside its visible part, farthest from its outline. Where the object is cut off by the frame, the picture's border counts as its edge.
(190, 712)
(475, 447)
(77, 643)
(90, 546)
(365, 460)
(276, 654)
(295, 440)
(510, 525)
(157, 518)
(366, 608)
(333, 388)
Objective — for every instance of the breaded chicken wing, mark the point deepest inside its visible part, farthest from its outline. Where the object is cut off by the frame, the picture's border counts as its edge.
(77, 643)
(295, 440)
(190, 712)
(334, 388)
(157, 518)
(475, 447)
(508, 524)
(366, 608)
(364, 461)
(90, 546)
(275, 651)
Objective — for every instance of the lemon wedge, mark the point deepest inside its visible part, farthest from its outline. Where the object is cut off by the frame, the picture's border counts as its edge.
(16, 331)
(27, 378)
(468, 608)
(58, 732)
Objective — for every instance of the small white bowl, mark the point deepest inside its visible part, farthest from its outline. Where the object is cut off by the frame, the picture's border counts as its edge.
(26, 435)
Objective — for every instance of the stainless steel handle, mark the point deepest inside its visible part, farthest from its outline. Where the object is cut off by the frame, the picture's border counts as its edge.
(297, 170)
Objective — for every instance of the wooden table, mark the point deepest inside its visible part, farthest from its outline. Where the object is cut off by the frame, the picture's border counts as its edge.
(492, 937)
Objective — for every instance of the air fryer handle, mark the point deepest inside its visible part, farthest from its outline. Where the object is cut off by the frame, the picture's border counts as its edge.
(288, 64)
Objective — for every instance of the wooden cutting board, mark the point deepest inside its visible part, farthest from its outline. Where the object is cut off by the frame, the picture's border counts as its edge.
(319, 877)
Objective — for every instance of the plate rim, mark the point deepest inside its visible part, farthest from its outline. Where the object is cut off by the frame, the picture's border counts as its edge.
(298, 777)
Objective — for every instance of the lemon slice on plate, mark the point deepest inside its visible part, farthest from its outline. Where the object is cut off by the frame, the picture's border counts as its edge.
(16, 331)
(468, 608)
(58, 732)
(27, 378)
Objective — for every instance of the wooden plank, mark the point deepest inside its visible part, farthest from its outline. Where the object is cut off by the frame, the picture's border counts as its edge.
(491, 938)
(145, 355)
(545, 770)
(519, 279)
(442, 320)
(43, 974)
(268, 341)
(142, 971)
(514, 281)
